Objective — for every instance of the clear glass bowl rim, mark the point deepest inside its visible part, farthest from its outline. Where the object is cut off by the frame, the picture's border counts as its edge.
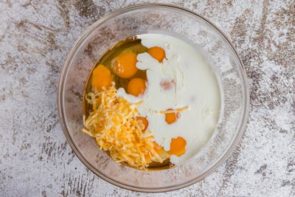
(60, 104)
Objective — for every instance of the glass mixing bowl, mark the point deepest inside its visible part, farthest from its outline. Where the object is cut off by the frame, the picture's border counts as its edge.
(218, 52)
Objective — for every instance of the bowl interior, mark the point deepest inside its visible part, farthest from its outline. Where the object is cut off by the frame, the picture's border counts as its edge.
(215, 48)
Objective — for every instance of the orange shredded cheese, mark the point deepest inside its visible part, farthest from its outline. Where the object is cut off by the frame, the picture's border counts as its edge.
(114, 124)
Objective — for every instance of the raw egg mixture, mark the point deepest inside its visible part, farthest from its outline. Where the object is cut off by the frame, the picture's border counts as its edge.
(151, 101)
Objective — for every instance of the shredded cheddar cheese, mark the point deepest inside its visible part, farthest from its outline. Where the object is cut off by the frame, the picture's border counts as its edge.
(114, 124)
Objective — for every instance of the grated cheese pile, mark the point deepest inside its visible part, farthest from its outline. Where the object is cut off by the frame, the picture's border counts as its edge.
(114, 124)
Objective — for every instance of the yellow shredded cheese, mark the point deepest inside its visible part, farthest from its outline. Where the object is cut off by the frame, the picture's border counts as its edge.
(113, 123)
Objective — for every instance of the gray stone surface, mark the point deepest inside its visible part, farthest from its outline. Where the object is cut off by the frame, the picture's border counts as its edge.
(35, 159)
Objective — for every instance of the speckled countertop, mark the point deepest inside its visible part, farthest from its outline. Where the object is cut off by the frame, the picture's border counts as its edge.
(35, 159)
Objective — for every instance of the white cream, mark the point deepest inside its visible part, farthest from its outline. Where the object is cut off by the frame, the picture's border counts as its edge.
(194, 86)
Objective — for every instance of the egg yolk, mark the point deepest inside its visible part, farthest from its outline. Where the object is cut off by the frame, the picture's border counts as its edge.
(177, 146)
(124, 65)
(144, 122)
(101, 77)
(136, 86)
(171, 117)
(157, 52)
